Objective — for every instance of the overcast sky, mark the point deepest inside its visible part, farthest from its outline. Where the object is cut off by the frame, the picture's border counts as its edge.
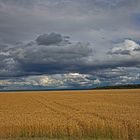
(69, 43)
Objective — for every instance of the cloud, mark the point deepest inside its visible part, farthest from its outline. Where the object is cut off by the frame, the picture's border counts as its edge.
(55, 81)
(64, 57)
(125, 54)
(45, 58)
(51, 39)
(122, 75)
(88, 20)
(114, 3)
(128, 47)
(97, 81)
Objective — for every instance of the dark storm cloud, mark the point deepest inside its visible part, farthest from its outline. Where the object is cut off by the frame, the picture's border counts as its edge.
(55, 54)
(44, 56)
(53, 59)
(137, 49)
(51, 39)
(121, 52)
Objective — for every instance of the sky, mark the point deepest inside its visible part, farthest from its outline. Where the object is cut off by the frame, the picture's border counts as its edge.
(66, 44)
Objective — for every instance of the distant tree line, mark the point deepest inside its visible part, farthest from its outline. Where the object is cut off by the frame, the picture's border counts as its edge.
(129, 86)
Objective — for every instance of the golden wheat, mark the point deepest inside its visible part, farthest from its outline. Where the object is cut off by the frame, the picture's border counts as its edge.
(110, 114)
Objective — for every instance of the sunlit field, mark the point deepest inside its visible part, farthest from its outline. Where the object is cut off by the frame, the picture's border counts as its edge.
(102, 114)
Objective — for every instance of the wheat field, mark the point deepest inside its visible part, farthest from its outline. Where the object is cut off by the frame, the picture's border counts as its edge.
(95, 114)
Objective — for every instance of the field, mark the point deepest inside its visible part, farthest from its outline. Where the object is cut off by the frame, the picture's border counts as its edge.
(81, 115)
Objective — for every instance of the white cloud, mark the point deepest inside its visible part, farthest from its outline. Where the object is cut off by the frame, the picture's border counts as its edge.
(70, 80)
(128, 78)
(97, 81)
(128, 47)
(125, 54)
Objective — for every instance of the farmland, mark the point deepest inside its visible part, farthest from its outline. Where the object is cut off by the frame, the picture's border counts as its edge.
(93, 114)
